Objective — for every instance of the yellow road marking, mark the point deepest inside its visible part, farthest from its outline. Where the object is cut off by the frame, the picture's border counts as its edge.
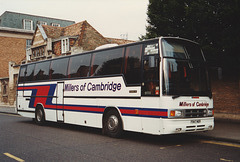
(14, 157)
(222, 143)
(161, 148)
(225, 160)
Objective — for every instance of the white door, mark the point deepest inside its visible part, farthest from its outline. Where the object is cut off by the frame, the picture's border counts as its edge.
(60, 107)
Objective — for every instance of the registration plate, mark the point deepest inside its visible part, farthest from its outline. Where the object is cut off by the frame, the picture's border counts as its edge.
(195, 121)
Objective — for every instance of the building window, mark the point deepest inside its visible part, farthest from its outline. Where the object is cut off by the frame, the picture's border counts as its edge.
(28, 43)
(42, 51)
(38, 52)
(55, 24)
(4, 88)
(27, 24)
(41, 23)
(65, 45)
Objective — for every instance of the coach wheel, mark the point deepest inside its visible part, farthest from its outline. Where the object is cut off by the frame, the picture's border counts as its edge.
(113, 124)
(39, 116)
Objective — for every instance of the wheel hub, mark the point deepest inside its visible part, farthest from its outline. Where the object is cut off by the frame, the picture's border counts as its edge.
(39, 115)
(112, 122)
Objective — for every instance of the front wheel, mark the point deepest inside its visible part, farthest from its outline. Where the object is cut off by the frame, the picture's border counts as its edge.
(113, 124)
(39, 116)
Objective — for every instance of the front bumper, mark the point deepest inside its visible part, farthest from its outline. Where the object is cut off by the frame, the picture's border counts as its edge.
(172, 126)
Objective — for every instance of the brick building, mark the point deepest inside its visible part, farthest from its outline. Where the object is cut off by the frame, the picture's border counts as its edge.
(13, 48)
(16, 32)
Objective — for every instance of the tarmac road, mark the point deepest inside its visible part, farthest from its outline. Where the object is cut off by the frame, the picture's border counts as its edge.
(23, 140)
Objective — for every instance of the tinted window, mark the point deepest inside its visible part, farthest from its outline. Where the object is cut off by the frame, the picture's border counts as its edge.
(151, 48)
(79, 66)
(132, 67)
(180, 49)
(150, 83)
(185, 77)
(41, 71)
(22, 74)
(30, 72)
(107, 62)
(58, 68)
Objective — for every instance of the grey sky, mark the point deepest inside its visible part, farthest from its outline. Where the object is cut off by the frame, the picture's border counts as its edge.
(112, 18)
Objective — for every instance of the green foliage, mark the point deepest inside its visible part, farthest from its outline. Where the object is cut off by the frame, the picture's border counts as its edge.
(212, 23)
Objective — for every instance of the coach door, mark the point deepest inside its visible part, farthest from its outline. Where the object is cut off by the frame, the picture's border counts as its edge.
(60, 107)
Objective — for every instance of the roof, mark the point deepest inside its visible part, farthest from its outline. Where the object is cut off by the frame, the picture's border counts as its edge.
(76, 30)
(52, 31)
(16, 20)
(119, 41)
(56, 32)
(18, 13)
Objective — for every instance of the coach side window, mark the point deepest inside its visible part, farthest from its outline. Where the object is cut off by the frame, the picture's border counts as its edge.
(29, 72)
(58, 68)
(79, 66)
(150, 82)
(41, 71)
(107, 62)
(132, 67)
(22, 74)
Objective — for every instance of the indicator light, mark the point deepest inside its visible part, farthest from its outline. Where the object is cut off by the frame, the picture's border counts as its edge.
(172, 113)
(176, 113)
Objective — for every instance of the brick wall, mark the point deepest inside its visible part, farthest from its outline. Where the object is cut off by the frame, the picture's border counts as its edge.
(226, 96)
(13, 49)
(57, 48)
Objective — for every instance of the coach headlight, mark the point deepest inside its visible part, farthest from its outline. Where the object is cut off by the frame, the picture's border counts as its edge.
(176, 113)
(210, 112)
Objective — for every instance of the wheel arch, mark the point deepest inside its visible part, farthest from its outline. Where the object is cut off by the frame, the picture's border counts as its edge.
(109, 108)
(40, 106)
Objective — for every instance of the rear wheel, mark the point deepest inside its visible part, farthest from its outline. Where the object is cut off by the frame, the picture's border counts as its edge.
(39, 116)
(113, 124)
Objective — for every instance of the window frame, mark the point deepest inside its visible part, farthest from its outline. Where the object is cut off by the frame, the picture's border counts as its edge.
(151, 72)
(21, 78)
(51, 74)
(126, 61)
(96, 54)
(42, 23)
(73, 75)
(55, 24)
(24, 24)
(35, 76)
(65, 45)
(25, 76)
(28, 43)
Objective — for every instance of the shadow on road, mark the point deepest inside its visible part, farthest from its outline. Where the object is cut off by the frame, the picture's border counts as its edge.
(173, 139)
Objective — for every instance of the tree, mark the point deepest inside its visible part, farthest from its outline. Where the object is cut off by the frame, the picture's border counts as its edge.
(214, 24)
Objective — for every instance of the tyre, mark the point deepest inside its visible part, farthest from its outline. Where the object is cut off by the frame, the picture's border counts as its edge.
(113, 124)
(39, 116)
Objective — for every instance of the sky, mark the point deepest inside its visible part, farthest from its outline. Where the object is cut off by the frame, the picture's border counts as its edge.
(111, 18)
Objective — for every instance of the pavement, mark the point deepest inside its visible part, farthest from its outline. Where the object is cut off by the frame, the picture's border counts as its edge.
(224, 129)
